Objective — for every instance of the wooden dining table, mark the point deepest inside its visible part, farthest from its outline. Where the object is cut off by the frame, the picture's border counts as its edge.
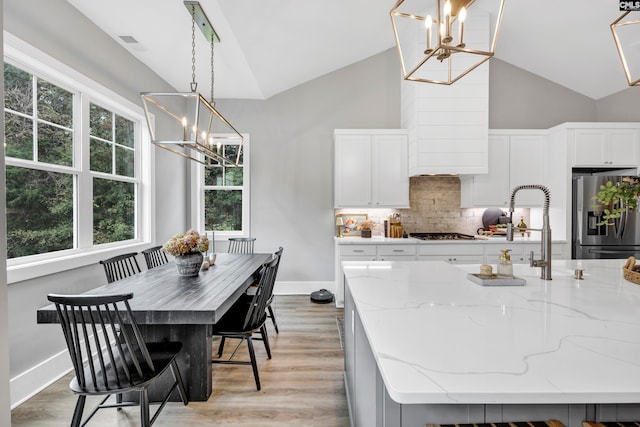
(177, 308)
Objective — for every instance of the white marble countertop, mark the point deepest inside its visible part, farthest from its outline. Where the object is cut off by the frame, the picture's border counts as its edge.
(375, 240)
(440, 338)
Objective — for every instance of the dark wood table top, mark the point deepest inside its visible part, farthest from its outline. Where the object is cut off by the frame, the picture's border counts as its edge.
(161, 296)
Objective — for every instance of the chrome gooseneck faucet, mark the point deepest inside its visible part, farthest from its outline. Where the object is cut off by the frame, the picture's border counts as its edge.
(545, 262)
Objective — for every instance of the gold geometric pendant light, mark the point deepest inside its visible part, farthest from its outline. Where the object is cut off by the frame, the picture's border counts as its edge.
(432, 38)
(626, 34)
(185, 123)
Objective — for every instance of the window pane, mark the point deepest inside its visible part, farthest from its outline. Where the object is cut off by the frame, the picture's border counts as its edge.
(223, 210)
(55, 104)
(18, 135)
(101, 153)
(213, 176)
(125, 161)
(233, 175)
(17, 90)
(124, 131)
(100, 122)
(113, 211)
(55, 145)
(231, 151)
(39, 211)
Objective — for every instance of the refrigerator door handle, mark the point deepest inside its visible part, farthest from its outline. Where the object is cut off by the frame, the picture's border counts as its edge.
(620, 224)
(613, 251)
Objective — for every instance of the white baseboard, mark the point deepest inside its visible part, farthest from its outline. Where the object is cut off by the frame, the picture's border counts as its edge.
(34, 380)
(302, 288)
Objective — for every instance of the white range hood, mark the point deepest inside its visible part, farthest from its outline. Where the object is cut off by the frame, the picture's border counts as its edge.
(448, 125)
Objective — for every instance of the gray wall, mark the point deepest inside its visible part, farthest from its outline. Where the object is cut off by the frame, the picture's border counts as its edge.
(292, 157)
(620, 107)
(519, 99)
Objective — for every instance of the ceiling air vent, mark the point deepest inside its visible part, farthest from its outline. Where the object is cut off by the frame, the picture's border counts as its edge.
(128, 39)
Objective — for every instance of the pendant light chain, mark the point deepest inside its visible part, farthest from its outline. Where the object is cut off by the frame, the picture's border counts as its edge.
(212, 75)
(194, 85)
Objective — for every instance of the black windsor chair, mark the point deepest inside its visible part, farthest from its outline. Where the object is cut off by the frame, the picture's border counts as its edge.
(246, 317)
(102, 330)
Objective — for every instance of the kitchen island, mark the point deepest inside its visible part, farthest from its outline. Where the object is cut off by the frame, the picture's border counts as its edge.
(423, 344)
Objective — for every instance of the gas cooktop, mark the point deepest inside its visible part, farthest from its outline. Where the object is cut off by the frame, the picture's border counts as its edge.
(442, 236)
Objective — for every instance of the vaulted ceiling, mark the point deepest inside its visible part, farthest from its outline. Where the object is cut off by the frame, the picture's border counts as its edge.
(268, 46)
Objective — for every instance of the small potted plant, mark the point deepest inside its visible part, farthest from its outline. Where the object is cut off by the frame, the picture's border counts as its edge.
(365, 228)
(187, 249)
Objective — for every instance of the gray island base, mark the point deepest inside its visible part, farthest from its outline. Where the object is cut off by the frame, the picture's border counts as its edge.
(424, 345)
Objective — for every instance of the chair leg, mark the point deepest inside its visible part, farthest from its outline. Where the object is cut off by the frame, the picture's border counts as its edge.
(178, 378)
(77, 412)
(221, 346)
(144, 408)
(254, 364)
(273, 318)
(265, 339)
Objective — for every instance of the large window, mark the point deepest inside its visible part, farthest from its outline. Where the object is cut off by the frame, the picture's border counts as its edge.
(226, 194)
(73, 172)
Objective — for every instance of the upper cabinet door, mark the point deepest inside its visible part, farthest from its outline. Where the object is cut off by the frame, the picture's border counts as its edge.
(492, 189)
(390, 171)
(623, 147)
(353, 171)
(526, 159)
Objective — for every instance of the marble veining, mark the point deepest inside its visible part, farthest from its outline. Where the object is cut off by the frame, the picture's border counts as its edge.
(440, 338)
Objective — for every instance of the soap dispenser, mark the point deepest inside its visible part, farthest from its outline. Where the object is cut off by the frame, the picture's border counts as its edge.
(505, 268)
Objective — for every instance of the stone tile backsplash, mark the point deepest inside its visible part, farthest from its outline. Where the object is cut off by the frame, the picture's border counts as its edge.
(435, 207)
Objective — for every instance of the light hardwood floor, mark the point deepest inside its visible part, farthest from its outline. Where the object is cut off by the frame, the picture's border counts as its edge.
(302, 385)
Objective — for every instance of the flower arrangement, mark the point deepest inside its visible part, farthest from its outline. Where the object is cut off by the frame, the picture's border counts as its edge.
(614, 199)
(187, 243)
(366, 224)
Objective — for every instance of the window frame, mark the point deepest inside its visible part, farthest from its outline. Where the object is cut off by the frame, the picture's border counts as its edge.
(24, 56)
(197, 183)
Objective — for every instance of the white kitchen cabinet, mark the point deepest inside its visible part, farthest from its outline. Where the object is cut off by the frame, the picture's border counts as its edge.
(371, 168)
(452, 253)
(515, 158)
(600, 147)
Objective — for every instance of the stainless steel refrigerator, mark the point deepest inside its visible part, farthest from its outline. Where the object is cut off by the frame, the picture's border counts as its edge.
(590, 240)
